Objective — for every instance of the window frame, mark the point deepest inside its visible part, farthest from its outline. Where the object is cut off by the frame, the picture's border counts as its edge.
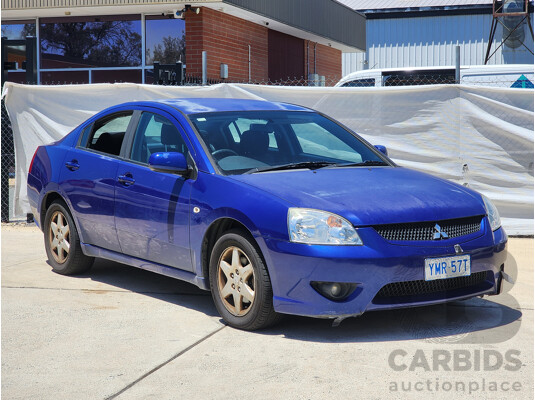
(128, 141)
(129, 150)
(143, 68)
(288, 140)
(85, 138)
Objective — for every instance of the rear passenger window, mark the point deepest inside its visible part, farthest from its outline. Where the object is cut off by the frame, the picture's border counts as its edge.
(108, 133)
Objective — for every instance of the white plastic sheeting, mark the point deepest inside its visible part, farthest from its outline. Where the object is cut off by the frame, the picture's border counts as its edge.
(475, 136)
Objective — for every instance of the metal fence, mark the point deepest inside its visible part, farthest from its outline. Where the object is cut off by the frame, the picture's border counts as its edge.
(402, 79)
(8, 164)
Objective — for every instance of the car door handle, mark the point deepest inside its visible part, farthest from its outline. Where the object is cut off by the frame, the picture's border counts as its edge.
(72, 165)
(126, 179)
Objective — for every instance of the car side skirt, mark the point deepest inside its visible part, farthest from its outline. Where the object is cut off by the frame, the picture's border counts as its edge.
(94, 251)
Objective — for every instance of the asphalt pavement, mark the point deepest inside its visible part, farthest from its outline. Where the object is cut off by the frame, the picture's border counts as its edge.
(122, 333)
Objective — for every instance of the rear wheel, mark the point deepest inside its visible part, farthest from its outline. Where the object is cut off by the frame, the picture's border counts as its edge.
(240, 283)
(62, 242)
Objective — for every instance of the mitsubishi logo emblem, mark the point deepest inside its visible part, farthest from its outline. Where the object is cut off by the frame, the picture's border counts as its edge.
(439, 233)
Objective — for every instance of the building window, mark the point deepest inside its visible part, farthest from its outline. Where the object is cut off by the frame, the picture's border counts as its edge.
(17, 30)
(81, 42)
(165, 40)
(98, 49)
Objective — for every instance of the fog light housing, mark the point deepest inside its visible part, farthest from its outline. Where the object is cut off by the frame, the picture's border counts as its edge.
(335, 291)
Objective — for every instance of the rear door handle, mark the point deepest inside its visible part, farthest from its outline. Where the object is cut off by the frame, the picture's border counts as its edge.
(126, 179)
(72, 165)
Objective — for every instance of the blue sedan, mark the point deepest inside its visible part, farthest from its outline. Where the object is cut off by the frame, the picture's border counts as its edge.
(275, 208)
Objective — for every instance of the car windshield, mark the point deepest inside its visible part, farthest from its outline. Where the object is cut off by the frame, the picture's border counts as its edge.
(260, 141)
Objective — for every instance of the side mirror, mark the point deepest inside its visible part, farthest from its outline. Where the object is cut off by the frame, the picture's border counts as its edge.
(382, 149)
(171, 162)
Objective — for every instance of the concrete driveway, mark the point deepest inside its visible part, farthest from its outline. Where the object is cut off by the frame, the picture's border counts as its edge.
(119, 332)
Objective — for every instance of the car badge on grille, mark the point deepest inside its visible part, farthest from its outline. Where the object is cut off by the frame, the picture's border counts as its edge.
(439, 233)
(458, 249)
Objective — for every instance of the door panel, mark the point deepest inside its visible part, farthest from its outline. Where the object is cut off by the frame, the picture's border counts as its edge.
(88, 180)
(152, 215)
(152, 208)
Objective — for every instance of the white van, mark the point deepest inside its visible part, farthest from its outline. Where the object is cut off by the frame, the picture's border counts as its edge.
(511, 75)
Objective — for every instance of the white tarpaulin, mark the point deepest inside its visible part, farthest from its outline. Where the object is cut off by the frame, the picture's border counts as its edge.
(481, 137)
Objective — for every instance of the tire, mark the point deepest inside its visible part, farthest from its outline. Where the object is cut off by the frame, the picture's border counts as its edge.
(62, 242)
(243, 299)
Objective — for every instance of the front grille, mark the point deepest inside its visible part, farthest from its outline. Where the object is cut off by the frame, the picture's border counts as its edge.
(415, 288)
(423, 231)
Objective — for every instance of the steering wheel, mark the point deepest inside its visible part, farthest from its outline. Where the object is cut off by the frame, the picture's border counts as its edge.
(222, 153)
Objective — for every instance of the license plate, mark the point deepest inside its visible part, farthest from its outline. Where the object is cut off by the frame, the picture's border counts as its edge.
(447, 267)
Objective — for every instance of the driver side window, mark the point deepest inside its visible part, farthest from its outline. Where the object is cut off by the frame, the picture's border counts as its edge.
(156, 134)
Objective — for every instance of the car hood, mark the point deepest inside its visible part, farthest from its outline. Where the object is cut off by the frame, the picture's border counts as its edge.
(371, 196)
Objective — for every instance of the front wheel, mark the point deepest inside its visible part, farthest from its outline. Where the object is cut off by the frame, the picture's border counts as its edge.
(62, 242)
(240, 283)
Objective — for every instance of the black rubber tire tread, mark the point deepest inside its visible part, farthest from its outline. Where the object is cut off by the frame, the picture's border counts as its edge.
(77, 262)
(262, 315)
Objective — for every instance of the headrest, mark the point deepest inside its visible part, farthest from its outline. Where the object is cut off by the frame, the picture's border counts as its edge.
(170, 135)
(254, 143)
(110, 142)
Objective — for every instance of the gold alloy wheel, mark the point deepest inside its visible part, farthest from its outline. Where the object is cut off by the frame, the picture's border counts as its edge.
(59, 237)
(235, 279)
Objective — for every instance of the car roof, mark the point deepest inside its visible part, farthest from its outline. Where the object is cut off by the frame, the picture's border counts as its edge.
(204, 105)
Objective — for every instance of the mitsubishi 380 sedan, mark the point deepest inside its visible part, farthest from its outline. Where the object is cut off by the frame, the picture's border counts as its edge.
(274, 208)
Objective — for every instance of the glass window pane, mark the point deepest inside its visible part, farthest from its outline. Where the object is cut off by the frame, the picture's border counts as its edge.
(108, 133)
(91, 42)
(156, 134)
(165, 40)
(17, 30)
(124, 75)
(17, 77)
(276, 138)
(64, 77)
(370, 82)
(318, 141)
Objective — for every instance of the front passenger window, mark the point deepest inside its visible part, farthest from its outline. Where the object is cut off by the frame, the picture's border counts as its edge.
(156, 134)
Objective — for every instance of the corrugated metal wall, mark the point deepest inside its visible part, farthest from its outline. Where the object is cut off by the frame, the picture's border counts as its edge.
(431, 41)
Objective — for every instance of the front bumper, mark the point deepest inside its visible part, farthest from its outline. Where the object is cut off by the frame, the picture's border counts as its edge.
(293, 266)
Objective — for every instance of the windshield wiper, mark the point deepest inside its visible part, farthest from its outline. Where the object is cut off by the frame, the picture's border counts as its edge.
(367, 163)
(306, 164)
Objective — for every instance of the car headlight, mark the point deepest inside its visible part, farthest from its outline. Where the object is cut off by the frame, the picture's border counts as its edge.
(492, 212)
(320, 227)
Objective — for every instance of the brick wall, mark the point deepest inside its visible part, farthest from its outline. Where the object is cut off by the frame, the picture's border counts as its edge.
(328, 62)
(225, 39)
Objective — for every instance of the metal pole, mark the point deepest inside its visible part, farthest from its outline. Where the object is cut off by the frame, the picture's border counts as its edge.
(315, 44)
(156, 73)
(249, 63)
(38, 50)
(457, 64)
(143, 48)
(4, 59)
(204, 69)
(179, 73)
(4, 184)
(491, 38)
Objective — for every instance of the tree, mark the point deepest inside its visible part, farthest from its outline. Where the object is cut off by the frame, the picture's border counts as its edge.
(11, 31)
(171, 50)
(113, 43)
